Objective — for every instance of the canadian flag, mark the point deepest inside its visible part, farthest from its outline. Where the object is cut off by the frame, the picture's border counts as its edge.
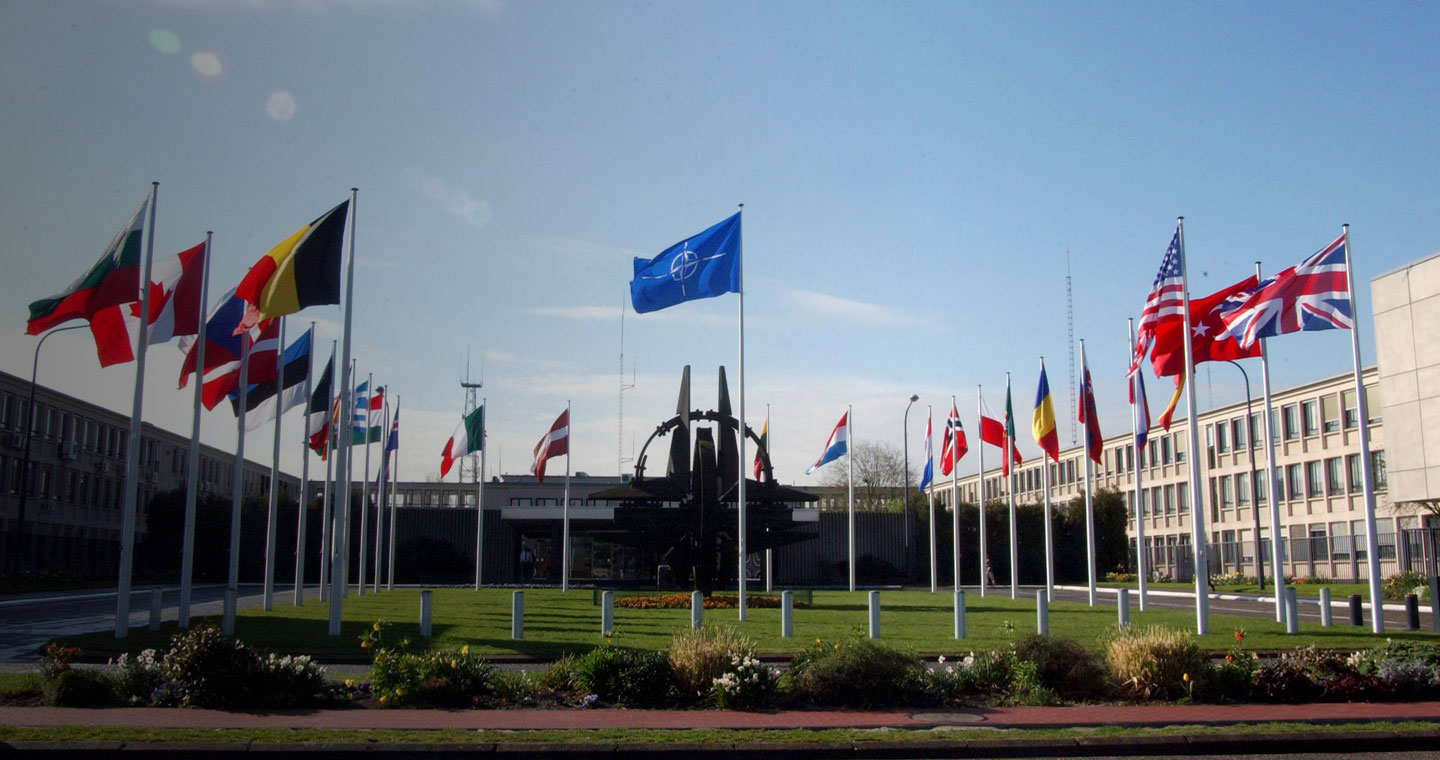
(174, 309)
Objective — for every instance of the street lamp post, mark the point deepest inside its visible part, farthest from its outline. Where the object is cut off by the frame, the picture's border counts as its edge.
(1254, 487)
(906, 508)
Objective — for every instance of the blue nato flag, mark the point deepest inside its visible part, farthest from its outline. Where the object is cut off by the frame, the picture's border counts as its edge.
(701, 266)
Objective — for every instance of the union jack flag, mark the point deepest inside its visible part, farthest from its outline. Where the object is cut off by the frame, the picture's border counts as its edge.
(1167, 299)
(953, 448)
(1312, 296)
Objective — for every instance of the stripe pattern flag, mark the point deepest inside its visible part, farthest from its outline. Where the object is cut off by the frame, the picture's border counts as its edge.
(469, 437)
(763, 447)
(1209, 341)
(174, 309)
(221, 373)
(992, 431)
(1042, 420)
(1142, 413)
(555, 442)
(836, 445)
(701, 266)
(260, 402)
(368, 421)
(1169, 412)
(954, 446)
(301, 270)
(1012, 453)
(928, 473)
(1166, 301)
(320, 409)
(1315, 295)
(1094, 442)
(392, 444)
(113, 280)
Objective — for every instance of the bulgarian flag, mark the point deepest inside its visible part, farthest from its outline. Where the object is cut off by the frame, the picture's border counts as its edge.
(993, 431)
(301, 270)
(112, 281)
(468, 438)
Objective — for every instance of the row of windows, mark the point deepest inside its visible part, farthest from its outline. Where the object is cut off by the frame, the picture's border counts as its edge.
(1291, 422)
(1335, 476)
(54, 424)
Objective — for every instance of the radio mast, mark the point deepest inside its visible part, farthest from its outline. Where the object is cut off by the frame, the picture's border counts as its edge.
(471, 463)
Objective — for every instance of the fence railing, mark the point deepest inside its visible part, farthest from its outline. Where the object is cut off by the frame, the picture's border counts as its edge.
(1340, 559)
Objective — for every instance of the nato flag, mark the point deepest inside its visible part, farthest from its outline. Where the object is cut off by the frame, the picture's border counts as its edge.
(702, 266)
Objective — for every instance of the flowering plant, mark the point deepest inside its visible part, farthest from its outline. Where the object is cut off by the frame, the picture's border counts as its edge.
(746, 684)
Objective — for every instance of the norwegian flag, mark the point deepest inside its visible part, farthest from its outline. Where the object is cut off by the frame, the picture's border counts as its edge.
(1312, 296)
(953, 447)
(1166, 300)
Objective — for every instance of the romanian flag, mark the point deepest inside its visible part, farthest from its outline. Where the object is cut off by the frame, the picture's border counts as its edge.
(764, 445)
(301, 270)
(1042, 422)
(112, 281)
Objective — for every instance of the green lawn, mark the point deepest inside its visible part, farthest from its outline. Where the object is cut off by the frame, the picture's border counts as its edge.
(558, 622)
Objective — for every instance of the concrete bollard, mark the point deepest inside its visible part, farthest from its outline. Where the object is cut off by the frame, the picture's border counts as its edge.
(697, 610)
(155, 605)
(227, 625)
(787, 614)
(959, 614)
(1356, 616)
(1122, 606)
(1327, 619)
(874, 614)
(1042, 612)
(1292, 611)
(517, 615)
(425, 603)
(1412, 613)
(607, 612)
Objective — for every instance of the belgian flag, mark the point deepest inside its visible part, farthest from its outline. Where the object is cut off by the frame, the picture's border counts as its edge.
(301, 270)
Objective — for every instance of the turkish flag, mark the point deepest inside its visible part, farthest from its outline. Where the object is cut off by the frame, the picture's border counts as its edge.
(1206, 341)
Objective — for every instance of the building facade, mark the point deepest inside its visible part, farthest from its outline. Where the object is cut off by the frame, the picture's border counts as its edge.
(1405, 301)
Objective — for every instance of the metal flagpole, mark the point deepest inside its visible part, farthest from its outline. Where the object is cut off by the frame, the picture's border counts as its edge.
(1197, 504)
(1010, 489)
(955, 495)
(302, 518)
(348, 440)
(1135, 400)
(337, 589)
(565, 510)
(1272, 485)
(272, 516)
(1372, 547)
(741, 603)
(326, 509)
(850, 499)
(1089, 467)
(365, 484)
(132, 451)
(769, 554)
(980, 454)
(1049, 527)
(382, 474)
(394, 503)
(930, 459)
(237, 493)
(480, 500)
(192, 478)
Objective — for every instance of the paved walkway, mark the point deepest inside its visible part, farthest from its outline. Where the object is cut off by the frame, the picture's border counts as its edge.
(993, 717)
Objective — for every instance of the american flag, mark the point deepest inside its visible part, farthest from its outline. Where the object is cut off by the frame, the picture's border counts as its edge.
(1312, 296)
(953, 448)
(1167, 299)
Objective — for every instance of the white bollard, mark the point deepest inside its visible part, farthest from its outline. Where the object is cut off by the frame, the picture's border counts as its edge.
(1122, 604)
(424, 613)
(1292, 612)
(874, 614)
(517, 615)
(787, 614)
(227, 624)
(155, 605)
(607, 612)
(959, 614)
(1325, 616)
(697, 610)
(1042, 612)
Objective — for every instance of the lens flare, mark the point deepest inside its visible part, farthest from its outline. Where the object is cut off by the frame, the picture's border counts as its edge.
(206, 64)
(434, 189)
(280, 106)
(164, 41)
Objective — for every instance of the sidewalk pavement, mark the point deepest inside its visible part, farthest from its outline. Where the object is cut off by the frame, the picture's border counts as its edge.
(513, 720)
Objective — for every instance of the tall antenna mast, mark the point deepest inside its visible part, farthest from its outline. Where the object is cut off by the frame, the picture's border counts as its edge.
(620, 443)
(471, 463)
(1070, 343)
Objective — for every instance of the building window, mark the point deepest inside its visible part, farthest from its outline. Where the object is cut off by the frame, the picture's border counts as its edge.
(1237, 432)
(1295, 484)
(1372, 404)
(1130, 457)
(1170, 499)
(1222, 438)
(1262, 487)
(1329, 413)
(1318, 544)
(1182, 499)
(1351, 412)
(1310, 417)
(6, 409)
(1179, 448)
(1290, 421)
(1257, 437)
(1313, 483)
(1352, 468)
(1227, 492)
(1377, 468)
(1242, 489)
(1165, 449)
(1334, 481)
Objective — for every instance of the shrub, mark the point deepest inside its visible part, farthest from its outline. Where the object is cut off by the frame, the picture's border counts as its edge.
(428, 678)
(1397, 586)
(1062, 664)
(212, 670)
(56, 660)
(138, 677)
(287, 681)
(74, 687)
(704, 654)
(560, 676)
(625, 676)
(1284, 680)
(746, 684)
(1114, 577)
(856, 672)
(513, 687)
(987, 673)
(1153, 662)
(1230, 679)
(1368, 661)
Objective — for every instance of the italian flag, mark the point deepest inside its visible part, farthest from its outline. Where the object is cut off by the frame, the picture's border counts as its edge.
(469, 437)
(112, 281)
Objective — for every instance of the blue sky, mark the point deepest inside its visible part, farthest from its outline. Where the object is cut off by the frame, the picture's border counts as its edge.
(914, 176)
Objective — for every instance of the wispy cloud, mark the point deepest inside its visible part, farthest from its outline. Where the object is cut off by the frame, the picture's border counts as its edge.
(612, 314)
(583, 248)
(311, 7)
(836, 309)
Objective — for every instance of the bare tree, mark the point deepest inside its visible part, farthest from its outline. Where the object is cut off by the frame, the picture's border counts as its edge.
(879, 476)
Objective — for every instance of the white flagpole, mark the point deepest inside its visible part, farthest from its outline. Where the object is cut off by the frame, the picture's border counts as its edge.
(1010, 488)
(192, 478)
(1372, 547)
(955, 496)
(302, 519)
(380, 491)
(1049, 527)
(930, 444)
(480, 501)
(394, 503)
(132, 451)
(1197, 503)
(326, 537)
(769, 553)
(272, 516)
(1272, 485)
(980, 454)
(337, 580)
(741, 603)
(365, 483)
(565, 509)
(1140, 570)
(237, 494)
(850, 490)
(348, 440)
(1089, 501)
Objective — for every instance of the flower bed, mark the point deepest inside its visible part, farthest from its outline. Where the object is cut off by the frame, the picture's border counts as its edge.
(682, 601)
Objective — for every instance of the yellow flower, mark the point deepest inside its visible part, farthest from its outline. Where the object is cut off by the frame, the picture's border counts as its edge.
(375, 627)
(399, 692)
(1185, 678)
(465, 650)
(364, 645)
(452, 662)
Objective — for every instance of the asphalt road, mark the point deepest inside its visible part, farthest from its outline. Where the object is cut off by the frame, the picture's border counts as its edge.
(1309, 613)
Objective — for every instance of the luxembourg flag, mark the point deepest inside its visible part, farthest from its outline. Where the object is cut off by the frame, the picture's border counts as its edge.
(929, 460)
(835, 447)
